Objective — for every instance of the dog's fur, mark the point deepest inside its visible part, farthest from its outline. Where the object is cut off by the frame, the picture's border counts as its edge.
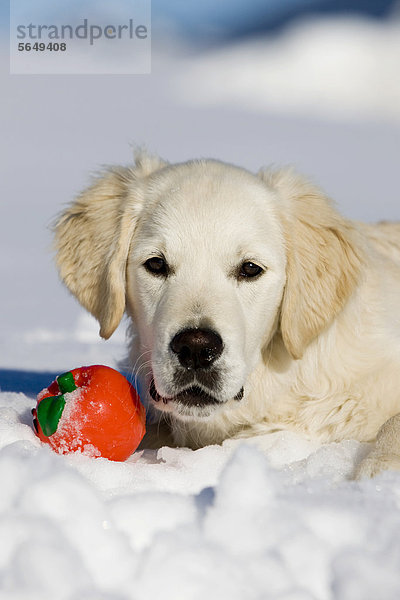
(314, 340)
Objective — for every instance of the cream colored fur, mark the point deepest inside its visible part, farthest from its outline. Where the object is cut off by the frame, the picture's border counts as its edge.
(315, 341)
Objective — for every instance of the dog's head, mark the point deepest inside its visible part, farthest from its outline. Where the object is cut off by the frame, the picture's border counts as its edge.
(211, 262)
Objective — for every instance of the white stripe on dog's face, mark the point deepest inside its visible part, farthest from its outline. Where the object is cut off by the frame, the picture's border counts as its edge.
(208, 256)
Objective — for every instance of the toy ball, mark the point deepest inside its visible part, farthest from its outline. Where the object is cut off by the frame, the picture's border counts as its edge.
(93, 410)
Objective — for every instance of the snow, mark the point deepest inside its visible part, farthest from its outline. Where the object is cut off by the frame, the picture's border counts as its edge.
(273, 517)
(338, 68)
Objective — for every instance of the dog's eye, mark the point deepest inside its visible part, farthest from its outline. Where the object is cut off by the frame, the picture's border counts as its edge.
(156, 265)
(249, 269)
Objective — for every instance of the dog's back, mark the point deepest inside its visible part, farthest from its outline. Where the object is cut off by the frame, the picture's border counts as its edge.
(385, 237)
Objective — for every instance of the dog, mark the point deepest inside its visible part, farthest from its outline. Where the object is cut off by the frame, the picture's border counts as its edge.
(256, 306)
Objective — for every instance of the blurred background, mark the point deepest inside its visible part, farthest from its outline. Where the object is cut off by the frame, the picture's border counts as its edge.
(312, 83)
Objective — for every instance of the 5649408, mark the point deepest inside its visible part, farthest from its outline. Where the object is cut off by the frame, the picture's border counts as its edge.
(42, 47)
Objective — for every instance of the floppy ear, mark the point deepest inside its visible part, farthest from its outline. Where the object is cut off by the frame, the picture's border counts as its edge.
(323, 259)
(92, 239)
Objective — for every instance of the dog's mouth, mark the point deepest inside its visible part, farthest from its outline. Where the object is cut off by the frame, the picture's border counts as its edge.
(193, 396)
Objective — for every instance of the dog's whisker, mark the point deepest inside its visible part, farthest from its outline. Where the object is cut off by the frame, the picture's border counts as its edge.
(141, 367)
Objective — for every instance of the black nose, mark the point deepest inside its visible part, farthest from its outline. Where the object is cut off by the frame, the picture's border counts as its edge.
(197, 348)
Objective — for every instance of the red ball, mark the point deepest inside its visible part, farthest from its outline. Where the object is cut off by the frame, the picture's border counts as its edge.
(94, 410)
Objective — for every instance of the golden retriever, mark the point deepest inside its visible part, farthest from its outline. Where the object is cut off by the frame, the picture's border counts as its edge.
(257, 307)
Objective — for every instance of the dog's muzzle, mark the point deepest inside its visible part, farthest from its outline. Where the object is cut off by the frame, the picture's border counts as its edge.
(196, 378)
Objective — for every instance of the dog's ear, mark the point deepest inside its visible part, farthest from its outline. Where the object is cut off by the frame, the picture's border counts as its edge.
(324, 256)
(92, 239)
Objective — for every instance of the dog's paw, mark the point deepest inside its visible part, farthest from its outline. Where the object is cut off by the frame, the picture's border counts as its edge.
(375, 463)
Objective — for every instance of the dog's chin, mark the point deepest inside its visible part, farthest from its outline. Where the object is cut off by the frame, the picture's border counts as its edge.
(191, 403)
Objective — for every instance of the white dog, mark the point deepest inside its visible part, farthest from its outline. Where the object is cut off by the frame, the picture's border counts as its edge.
(257, 306)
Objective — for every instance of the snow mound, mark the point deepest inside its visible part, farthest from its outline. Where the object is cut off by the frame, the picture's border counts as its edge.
(273, 517)
(335, 68)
